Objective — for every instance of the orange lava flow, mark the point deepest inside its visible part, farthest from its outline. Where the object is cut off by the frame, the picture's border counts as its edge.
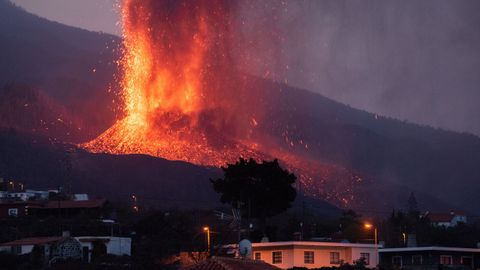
(183, 100)
(174, 79)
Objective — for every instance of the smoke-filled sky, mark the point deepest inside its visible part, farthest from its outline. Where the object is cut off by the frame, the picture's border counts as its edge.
(413, 60)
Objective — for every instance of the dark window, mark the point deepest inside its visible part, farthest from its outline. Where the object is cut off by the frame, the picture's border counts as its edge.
(13, 212)
(417, 259)
(334, 257)
(446, 260)
(258, 256)
(85, 254)
(17, 250)
(276, 257)
(397, 261)
(308, 257)
(366, 257)
(467, 261)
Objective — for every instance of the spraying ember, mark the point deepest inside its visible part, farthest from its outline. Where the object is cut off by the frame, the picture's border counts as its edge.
(183, 100)
(176, 81)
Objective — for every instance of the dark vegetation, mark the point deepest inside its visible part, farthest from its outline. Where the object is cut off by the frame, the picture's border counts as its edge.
(358, 265)
(260, 190)
(75, 68)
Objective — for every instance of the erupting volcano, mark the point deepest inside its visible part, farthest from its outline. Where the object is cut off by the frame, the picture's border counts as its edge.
(184, 100)
(178, 85)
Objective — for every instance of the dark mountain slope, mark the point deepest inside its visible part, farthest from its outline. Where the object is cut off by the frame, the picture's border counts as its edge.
(390, 152)
(74, 67)
(29, 110)
(41, 163)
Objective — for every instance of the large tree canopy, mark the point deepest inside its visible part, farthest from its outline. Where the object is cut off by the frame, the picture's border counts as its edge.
(264, 189)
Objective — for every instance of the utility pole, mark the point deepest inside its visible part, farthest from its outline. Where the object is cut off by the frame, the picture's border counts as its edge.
(207, 232)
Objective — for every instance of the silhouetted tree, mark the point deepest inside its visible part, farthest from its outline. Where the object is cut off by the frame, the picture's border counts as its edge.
(412, 208)
(260, 189)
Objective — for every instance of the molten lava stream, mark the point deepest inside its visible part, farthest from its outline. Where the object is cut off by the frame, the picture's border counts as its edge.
(181, 96)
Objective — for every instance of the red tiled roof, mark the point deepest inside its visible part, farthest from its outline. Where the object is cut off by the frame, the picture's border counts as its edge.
(222, 263)
(20, 203)
(444, 217)
(93, 203)
(93, 239)
(32, 241)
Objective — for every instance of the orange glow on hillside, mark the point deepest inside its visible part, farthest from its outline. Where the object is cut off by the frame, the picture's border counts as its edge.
(174, 76)
(182, 96)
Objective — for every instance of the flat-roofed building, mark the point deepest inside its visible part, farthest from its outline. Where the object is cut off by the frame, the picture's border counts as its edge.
(314, 254)
(430, 258)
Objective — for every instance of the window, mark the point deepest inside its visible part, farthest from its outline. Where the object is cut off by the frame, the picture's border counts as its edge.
(276, 257)
(13, 212)
(366, 257)
(334, 257)
(467, 261)
(308, 257)
(397, 261)
(417, 259)
(258, 256)
(445, 259)
(16, 250)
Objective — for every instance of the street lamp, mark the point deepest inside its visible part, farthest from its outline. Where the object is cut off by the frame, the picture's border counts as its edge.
(369, 226)
(207, 232)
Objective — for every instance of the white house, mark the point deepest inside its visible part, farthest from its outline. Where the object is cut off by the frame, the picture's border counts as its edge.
(84, 245)
(29, 194)
(119, 246)
(314, 254)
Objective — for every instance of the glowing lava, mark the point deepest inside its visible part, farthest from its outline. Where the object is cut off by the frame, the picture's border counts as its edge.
(176, 82)
(183, 100)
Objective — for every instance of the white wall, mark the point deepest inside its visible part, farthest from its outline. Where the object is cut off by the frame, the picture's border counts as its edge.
(294, 255)
(119, 246)
(27, 249)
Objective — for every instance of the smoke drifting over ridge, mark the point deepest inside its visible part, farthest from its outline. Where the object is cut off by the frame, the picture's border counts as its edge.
(412, 60)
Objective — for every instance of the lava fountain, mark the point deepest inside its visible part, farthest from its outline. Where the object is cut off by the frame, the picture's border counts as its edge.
(178, 85)
(183, 99)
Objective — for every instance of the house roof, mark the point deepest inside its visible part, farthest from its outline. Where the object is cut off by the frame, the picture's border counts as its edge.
(223, 263)
(93, 203)
(312, 243)
(33, 241)
(93, 239)
(432, 248)
(8, 203)
(439, 217)
(444, 217)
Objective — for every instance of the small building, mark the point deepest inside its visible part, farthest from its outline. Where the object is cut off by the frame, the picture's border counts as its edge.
(48, 249)
(29, 194)
(430, 258)
(119, 246)
(51, 248)
(16, 208)
(451, 219)
(223, 263)
(314, 254)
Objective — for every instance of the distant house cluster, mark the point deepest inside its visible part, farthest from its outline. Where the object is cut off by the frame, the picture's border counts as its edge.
(16, 201)
(54, 248)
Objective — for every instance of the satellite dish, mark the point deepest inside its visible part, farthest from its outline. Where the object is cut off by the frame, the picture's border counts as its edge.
(245, 248)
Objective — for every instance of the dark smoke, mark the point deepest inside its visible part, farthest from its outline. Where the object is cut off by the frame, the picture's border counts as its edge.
(413, 60)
